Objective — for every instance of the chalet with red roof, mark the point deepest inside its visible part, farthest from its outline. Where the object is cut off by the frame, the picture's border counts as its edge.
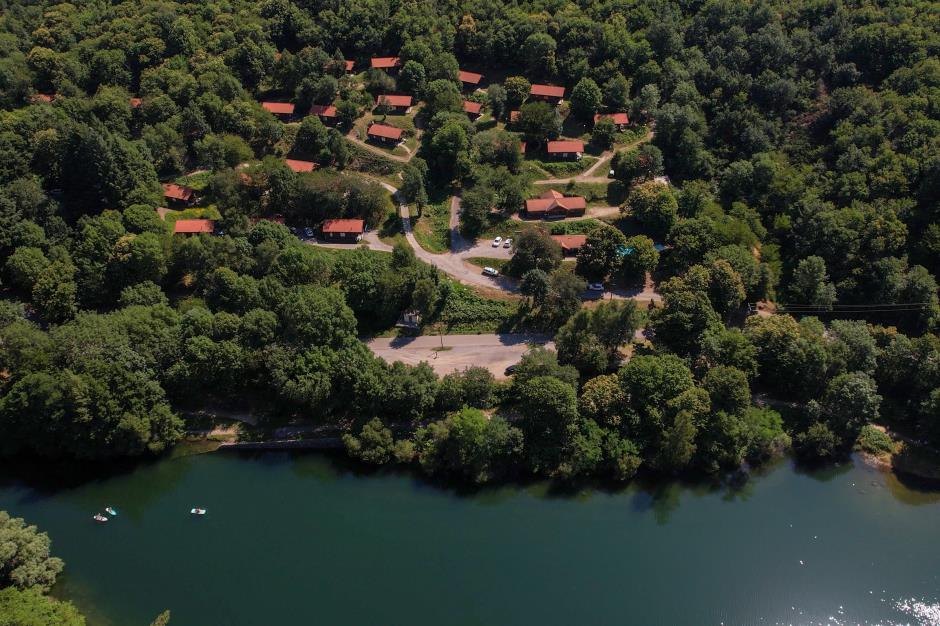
(547, 93)
(384, 133)
(620, 120)
(513, 117)
(349, 65)
(178, 193)
(48, 98)
(281, 109)
(135, 102)
(473, 109)
(399, 105)
(301, 166)
(554, 205)
(389, 64)
(470, 80)
(193, 227)
(326, 112)
(570, 149)
(343, 230)
(570, 244)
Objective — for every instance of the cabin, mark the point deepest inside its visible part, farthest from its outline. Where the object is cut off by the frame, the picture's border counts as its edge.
(326, 113)
(472, 109)
(280, 109)
(178, 194)
(193, 227)
(389, 64)
(301, 166)
(572, 149)
(384, 134)
(399, 105)
(547, 93)
(48, 98)
(349, 65)
(554, 205)
(570, 244)
(135, 102)
(513, 117)
(470, 80)
(348, 231)
(620, 120)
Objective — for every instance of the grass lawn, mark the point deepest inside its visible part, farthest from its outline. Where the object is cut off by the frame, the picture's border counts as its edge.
(209, 212)
(194, 181)
(500, 226)
(404, 122)
(486, 261)
(596, 194)
(562, 169)
(432, 229)
(368, 163)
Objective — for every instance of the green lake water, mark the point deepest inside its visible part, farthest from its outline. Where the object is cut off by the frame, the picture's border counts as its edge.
(301, 539)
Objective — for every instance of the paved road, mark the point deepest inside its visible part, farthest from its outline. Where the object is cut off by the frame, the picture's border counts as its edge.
(494, 352)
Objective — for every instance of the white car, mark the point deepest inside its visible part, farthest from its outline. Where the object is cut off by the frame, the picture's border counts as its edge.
(610, 174)
(490, 271)
(508, 243)
(497, 241)
(595, 286)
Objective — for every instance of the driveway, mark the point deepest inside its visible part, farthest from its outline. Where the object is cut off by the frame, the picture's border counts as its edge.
(494, 352)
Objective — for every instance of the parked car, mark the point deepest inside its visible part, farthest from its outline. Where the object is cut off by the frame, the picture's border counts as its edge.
(595, 286)
(508, 242)
(308, 232)
(497, 241)
(511, 369)
(610, 174)
(490, 271)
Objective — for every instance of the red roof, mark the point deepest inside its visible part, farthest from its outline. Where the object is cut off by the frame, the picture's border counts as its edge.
(343, 226)
(177, 192)
(547, 91)
(570, 243)
(554, 202)
(193, 226)
(394, 101)
(349, 65)
(279, 108)
(381, 63)
(136, 102)
(384, 131)
(44, 97)
(472, 107)
(470, 78)
(620, 119)
(301, 166)
(323, 110)
(513, 116)
(522, 147)
(559, 147)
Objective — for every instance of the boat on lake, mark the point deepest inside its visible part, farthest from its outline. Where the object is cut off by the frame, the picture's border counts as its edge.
(111, 511)
(98, 517)
(198, 511)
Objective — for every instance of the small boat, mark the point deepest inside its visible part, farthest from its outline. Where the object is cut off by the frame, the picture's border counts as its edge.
(198, 511)
(110, 511)
(98, 517)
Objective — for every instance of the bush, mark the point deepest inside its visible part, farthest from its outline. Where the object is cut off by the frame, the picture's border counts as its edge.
(874, 441)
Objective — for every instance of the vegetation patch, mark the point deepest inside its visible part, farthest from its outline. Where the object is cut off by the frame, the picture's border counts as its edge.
(432, 228)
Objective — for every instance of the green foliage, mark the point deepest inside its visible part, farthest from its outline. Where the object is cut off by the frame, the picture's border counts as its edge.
(25, 561)
(31, 608)
(874, 441)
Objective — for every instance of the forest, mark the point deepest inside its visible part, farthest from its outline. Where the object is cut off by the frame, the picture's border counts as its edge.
(801, 141)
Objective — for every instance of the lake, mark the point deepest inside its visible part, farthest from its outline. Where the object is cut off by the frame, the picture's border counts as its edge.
(301, 539)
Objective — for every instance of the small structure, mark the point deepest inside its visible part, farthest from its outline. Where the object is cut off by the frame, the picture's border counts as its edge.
(135, 102)
(349, 66)
(301, 166)
(570, 244)
(620, 120)
(472, 109)
(384, 133)
(48, 98)
(572, 149)
(281, 109)
(399, 105)
(343, 230)
(513, 117)
(522, 147)
(193, 227)
(389, 64)
(178, 193)
(547, 93)
(470, 80)
(555, 205)
(326, 112)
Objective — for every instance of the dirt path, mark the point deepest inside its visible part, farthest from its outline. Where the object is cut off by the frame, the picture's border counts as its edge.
(374, 150)
(494, 352)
